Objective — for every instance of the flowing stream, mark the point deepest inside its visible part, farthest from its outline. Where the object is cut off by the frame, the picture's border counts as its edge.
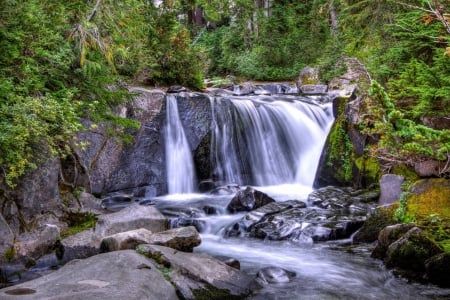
(274, 144)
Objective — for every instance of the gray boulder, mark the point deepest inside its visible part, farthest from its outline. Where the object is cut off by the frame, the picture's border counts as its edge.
(128, 240)
(387, 236)
(114, 275)
(390, 188)
(37, 243)
(248, 199)
(308, 75)
(195, 274)
(182, 239)
(130, 218)
(243, 89)
(411, 251)
(313, 89)
(274, 275)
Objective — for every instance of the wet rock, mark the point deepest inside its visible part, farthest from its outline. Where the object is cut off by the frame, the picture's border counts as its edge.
(176, 89)
(200, 225)
(390, 188)
(116, 201)
(376, 222)
(313, 89)
(99, 277)
(292, 220)
(243, 89)
(438, 269)
(274, 275)
(130, 218)
(248, 199)
(387, 236)
(228, 189)
(198, 273)
(230, 261)
(411, 251)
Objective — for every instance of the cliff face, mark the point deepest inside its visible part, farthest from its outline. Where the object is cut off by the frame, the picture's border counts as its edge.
(344, 161)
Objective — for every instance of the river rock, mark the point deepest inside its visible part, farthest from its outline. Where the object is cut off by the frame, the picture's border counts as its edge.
(292, 220)
(125, 240)
(38, 243)
(411, 251)
(274, 275)
(387, 236)
(313, 89)
(390, 188)
(377, 221)
(248, 199)
(438, 269)
(115, 275)
(243, 89)
(197, 273)
(130, 218)
(183, 238)
(81, 245)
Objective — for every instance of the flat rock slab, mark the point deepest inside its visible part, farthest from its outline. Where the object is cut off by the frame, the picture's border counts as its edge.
(115, 275)
(131, 218)
(193, 273)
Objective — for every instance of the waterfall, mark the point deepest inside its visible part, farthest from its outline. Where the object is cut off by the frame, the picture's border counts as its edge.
(268, 140)
(179, 163)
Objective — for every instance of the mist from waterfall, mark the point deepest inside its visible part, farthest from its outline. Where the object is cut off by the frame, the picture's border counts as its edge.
(181, 177)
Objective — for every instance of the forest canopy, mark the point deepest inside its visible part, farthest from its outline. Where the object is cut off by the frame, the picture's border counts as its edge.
(63, 61)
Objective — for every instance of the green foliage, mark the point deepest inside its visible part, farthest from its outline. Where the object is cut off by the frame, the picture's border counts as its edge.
(79, 222)
(401, 213)
(402, 139)
(340, 151)
(10, 253)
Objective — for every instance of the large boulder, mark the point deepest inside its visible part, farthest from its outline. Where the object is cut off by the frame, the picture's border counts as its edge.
(37, 243)
(198, 274)
(438, 269)
(130, 218)
(334, 214)
(182, 239)
(390, 188)
(411, 251)
(387, 236)
(114, 275)
(248, 200)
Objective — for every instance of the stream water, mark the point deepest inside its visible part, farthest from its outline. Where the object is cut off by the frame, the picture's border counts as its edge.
(274, 144)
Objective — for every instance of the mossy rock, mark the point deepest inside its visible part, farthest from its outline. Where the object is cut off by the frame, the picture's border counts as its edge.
(210, 292)
(378, 220)
(369, 168)
(438, 269)
(411, 251)
(405, 171)
(429, 197)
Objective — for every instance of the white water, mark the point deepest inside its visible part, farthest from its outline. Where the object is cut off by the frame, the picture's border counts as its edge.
(268, 140)
(323, 270)
(276, 145)
(179, 163)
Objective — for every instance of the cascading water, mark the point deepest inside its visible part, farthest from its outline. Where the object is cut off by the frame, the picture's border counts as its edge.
(179, 163)
(268, 140)
(271, 141)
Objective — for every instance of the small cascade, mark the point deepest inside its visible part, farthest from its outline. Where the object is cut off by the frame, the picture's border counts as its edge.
(268, 140)
(179, 164)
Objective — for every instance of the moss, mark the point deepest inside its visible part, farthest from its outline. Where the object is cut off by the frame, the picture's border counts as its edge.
(10, 253)
(211, 292)
(340, 151)
(428, 197)
(378, 220)
(445, 244)
(405, 171)
(369, 168)
(78, 222)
